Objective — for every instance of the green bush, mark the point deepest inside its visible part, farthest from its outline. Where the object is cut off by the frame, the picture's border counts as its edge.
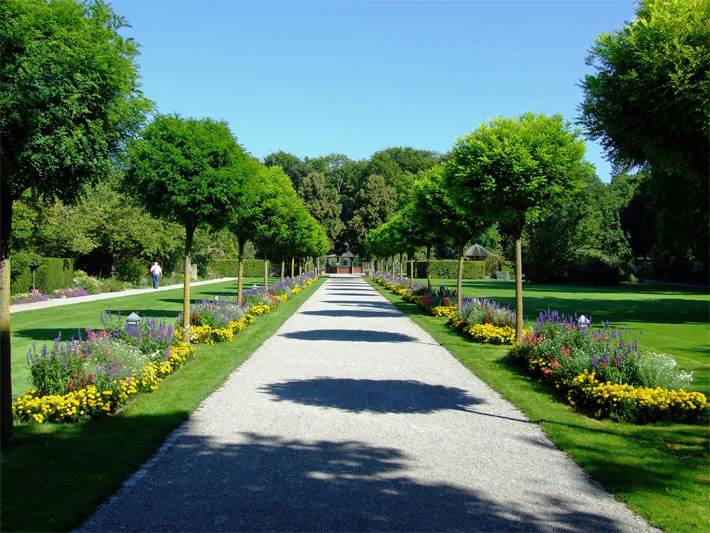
(54, 273)
(448, 268)
(130, 269)
(227, 268)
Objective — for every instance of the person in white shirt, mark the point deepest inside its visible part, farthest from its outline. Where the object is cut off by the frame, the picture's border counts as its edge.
(155, 272)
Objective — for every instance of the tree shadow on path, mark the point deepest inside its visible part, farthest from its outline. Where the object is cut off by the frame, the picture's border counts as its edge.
(377, 396)
(355, 313)
(349, 335)
(269, 483)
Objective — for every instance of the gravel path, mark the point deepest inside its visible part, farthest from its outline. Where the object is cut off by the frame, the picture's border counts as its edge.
(352, 418)
(54, 302)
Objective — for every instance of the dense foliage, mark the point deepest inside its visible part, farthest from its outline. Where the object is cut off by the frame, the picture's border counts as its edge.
(647, 103)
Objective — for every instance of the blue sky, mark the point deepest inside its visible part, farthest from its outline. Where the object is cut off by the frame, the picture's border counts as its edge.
(312, 78)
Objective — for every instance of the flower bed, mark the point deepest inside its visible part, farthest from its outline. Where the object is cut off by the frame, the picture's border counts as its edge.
(95, 374)
(220, 319)
(604, 373)
(480, 320)
(485, 320)
(38, 296)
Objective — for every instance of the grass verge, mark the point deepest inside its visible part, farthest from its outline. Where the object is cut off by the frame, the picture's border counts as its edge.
(54, 476)
(661, 472)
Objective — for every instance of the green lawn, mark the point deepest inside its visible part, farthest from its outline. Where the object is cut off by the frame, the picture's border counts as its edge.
(674, 320)
(54, 476)
(662, 472)
(42, 325)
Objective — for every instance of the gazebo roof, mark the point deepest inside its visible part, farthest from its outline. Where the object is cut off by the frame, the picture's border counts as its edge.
(477, 252)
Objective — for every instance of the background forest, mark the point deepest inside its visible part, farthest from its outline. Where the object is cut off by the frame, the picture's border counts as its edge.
(604, 234)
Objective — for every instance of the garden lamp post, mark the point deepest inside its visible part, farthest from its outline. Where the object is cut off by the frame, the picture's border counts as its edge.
(584, 322)
(132, 324)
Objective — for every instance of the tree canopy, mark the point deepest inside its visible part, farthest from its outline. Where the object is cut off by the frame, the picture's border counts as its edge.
(647, 103)
(183, 170)
(509, 169)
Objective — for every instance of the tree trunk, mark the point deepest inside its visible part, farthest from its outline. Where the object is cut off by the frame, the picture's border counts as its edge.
(266, 271)
(283, 267)
(300, 267)
(518, 288)
(401, 272)
(459, 277)
(411, 272)
(292, 261)
(428, 270)
(189, 234)
(6, 435)
(240, 260)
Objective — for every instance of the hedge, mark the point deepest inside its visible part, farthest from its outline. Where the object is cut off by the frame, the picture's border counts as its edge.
(448, 268)
(228, 268)
(54, 273)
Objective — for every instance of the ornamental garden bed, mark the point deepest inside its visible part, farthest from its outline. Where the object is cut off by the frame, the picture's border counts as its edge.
(599, 372)
(95, 374)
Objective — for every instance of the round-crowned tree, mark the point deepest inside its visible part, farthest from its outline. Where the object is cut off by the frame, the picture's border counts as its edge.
(183, 170)
(508, 169)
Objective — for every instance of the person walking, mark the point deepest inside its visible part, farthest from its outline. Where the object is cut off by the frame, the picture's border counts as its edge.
(155, 272)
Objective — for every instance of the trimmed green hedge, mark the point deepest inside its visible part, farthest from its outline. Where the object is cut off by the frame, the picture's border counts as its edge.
(54, 273)
(447, 269)
(228, 268)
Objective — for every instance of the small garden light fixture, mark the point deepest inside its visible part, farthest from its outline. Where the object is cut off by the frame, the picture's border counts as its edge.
(583, 322)
(132, 324)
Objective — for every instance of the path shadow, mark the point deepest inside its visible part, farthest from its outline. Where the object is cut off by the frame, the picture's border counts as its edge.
(345, 293)
(267, 483)
(360, 303)
(377, 396)
(349, 335)
(355, 313)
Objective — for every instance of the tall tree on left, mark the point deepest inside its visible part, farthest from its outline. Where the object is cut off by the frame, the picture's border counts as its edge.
(186, 171)
(69, 99)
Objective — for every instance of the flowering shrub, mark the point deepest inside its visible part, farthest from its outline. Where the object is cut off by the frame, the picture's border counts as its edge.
(487, 333)
(636, 404)
(218, 320)
(76, 292)
(36, 296)
(486, 311)
(93, 401)
(485, 320)
(604, 373)
(33, 296)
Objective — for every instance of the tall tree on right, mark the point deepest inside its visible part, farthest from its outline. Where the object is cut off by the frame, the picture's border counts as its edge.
(647, 103)
(508, 169)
